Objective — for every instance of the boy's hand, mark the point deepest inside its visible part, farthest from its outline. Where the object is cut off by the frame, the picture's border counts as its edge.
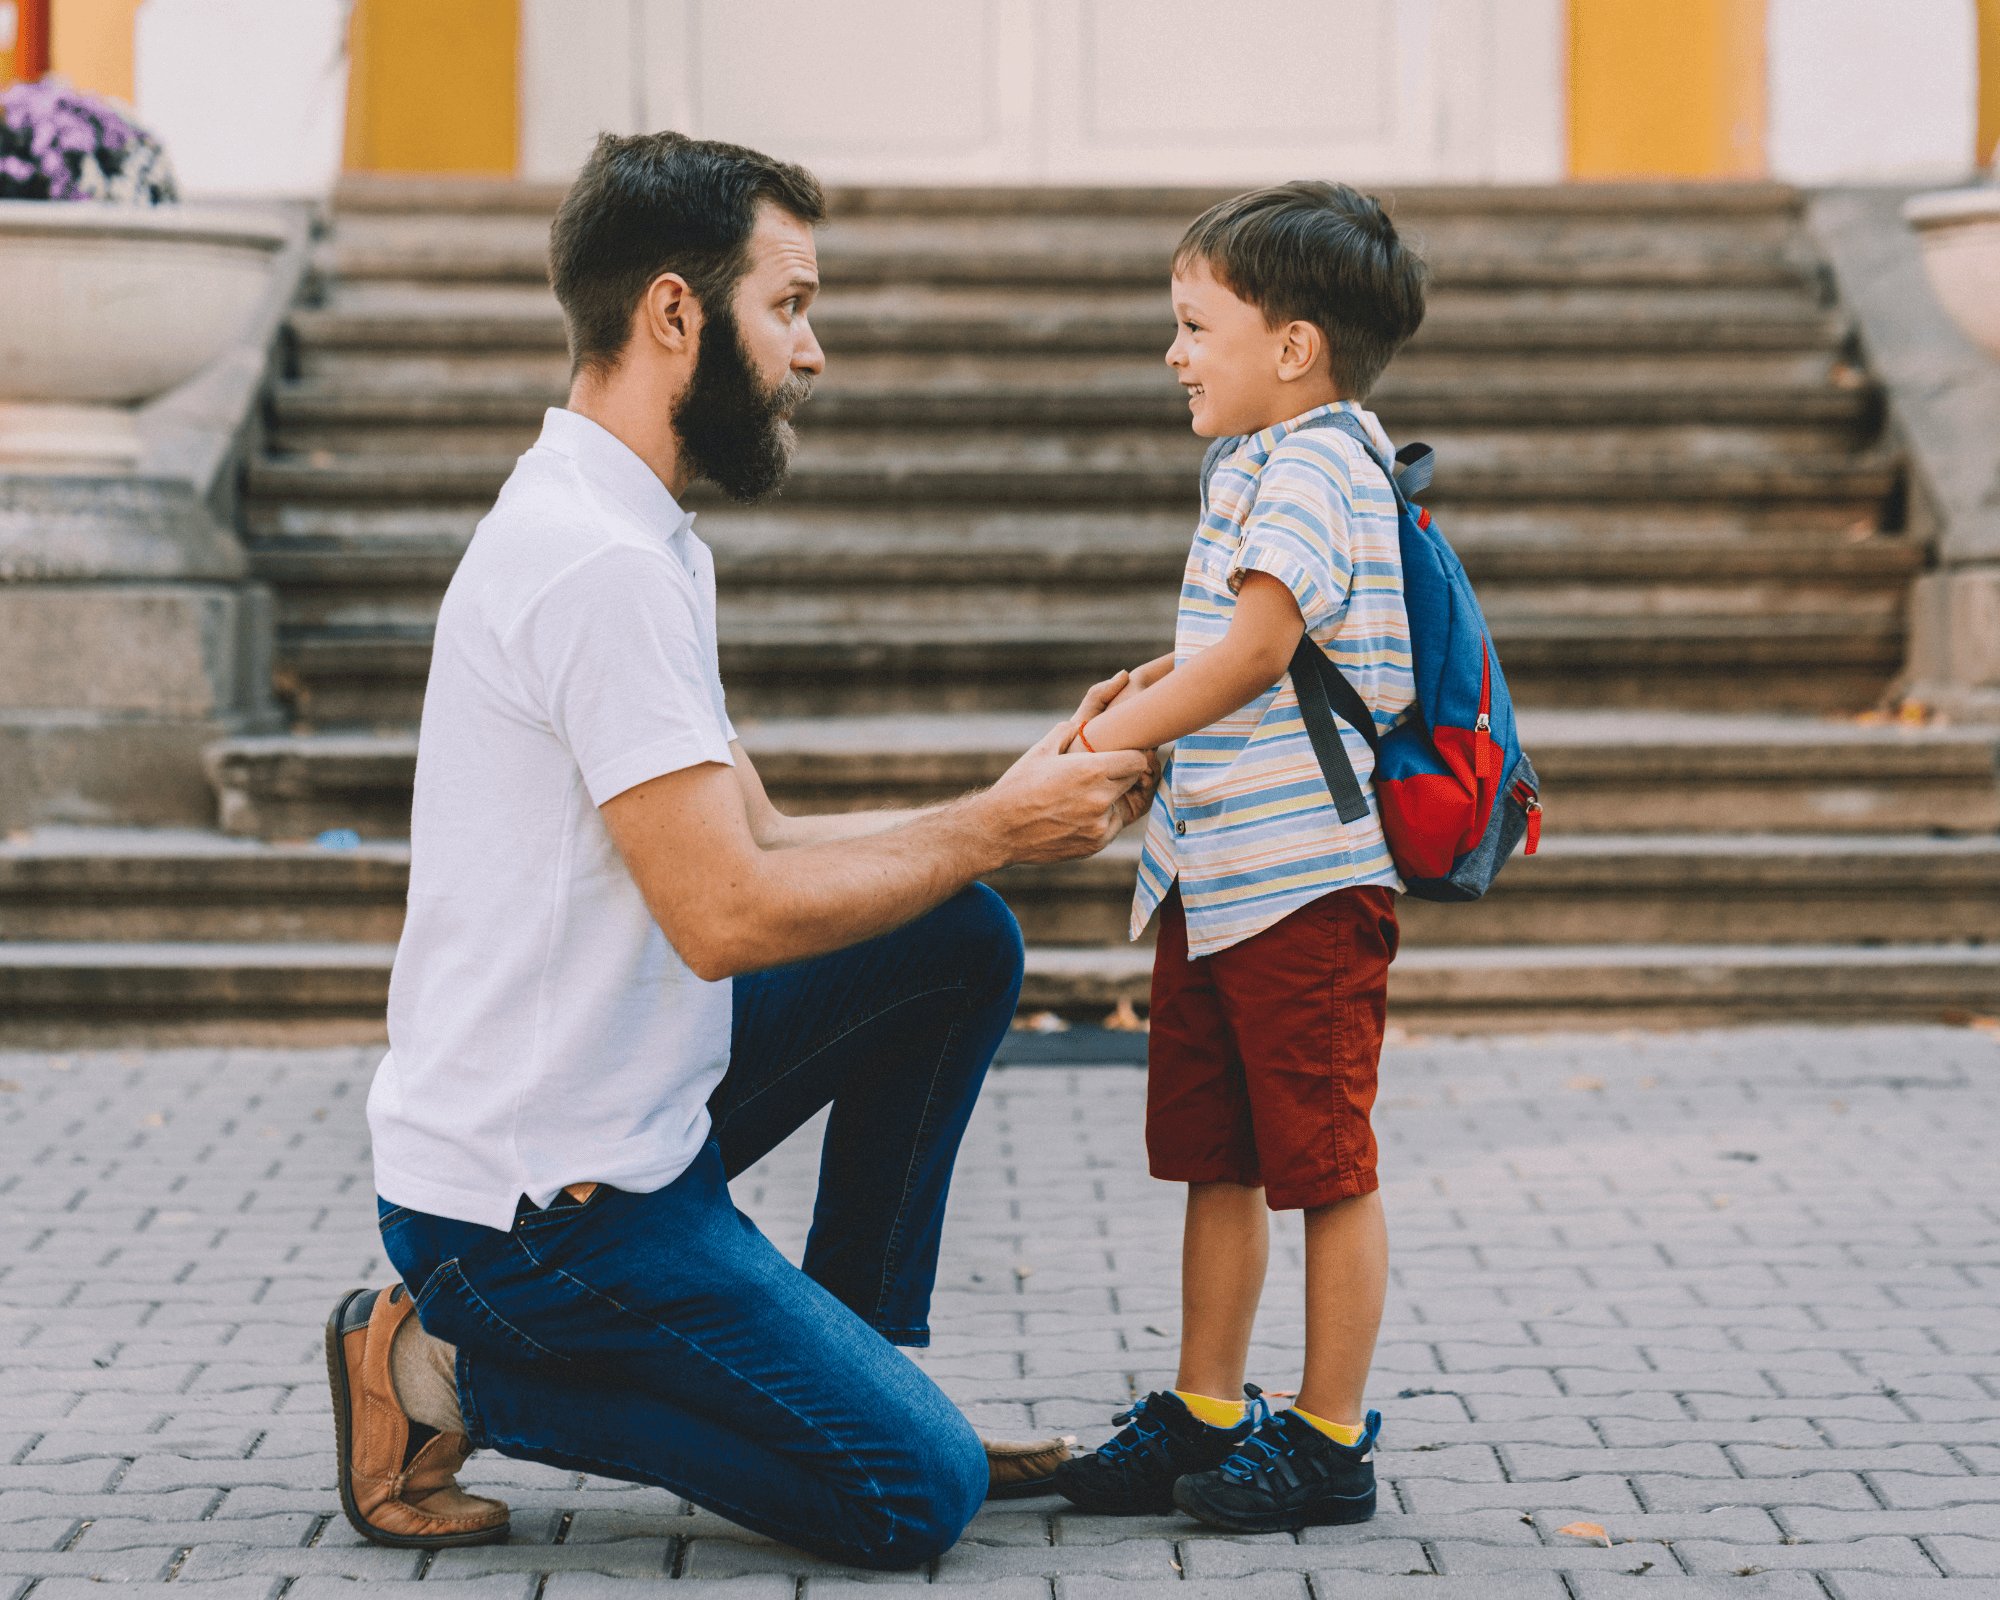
(1137, 800)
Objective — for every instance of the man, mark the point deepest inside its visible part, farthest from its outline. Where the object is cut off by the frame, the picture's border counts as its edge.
(625, 976)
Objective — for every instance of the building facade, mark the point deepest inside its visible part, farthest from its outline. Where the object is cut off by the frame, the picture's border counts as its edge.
(280, 96)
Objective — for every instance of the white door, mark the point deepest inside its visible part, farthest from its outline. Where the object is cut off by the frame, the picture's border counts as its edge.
(1062, 91)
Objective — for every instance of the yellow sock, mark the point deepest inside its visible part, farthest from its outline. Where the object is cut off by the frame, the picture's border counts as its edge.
(1206, 1408)
(1339, 1432)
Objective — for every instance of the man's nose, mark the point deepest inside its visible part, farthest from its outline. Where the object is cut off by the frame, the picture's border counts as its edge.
(810, 358)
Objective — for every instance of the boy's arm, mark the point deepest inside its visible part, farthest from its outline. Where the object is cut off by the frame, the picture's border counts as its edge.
(1263, 632)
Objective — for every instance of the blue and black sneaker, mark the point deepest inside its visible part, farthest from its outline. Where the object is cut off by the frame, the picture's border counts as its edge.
(1286, 1476)
(1133, 1474)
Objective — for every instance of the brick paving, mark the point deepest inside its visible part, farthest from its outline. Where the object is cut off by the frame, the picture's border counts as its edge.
(1733, 1296)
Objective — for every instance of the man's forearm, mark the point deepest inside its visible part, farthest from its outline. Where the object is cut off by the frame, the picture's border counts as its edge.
(840, 889)
(792, 833)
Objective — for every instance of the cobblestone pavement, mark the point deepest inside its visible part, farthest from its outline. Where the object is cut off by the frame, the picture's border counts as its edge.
(1733, 1296)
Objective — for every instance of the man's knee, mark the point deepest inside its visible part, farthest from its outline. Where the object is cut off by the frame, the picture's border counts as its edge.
(984, 939)
(946, 1480)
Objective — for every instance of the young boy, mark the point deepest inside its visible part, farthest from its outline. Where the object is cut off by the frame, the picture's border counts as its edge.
(1277, 919)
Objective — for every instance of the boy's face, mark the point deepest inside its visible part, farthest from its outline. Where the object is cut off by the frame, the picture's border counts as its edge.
(1240, 373)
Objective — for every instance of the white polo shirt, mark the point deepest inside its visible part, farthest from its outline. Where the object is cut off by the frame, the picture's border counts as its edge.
(542, 1031)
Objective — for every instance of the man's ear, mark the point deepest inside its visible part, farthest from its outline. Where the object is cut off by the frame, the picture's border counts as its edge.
(670, 315)
(1299, 351)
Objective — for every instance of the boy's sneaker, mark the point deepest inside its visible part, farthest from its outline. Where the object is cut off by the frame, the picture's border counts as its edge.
(1133, 1474)
(1286, 1476)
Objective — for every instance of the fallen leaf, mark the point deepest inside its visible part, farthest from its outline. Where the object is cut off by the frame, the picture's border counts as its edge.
(1584, 1081)
(1587, 1530)
(1023, 1273)
(153, 1119)
(1719, 1201)
(9, 1086)
(1042, 1022)
(1913, 713)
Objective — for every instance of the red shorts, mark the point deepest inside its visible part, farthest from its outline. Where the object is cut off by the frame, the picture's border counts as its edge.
(1262, 1057)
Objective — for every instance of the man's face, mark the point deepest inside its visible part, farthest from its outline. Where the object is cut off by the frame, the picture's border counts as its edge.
(756, 364)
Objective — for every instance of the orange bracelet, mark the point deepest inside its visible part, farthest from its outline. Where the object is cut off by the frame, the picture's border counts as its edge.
(1080, 739)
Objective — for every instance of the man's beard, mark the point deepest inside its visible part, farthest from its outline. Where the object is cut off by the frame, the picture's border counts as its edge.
(733, 431)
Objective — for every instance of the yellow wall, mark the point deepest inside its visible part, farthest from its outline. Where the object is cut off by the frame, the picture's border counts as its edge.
(1666, 88)
(1989, 80)
(90, 43)
(434, 87)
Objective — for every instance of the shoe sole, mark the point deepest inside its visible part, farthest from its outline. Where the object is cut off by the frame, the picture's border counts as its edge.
(336, 1377)
(1344, 1509)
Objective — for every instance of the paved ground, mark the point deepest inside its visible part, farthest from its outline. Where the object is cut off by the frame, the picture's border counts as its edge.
(1734, 1297)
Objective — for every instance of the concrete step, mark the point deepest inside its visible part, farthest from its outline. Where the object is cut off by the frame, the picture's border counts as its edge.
(877, 392)
(325, 557)
(1614, 889)
(1045, 249)
(1130, 467)
(1678, 205)
(1818, 662)
(1630, 889)
(1603, 773)
(399, 318)
(1603, 986)
(69, 995)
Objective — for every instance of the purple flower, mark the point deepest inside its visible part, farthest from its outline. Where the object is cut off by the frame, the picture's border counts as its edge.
(59, 144)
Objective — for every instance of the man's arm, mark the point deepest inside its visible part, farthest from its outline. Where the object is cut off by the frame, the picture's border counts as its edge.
(775, 830)
(728, 905)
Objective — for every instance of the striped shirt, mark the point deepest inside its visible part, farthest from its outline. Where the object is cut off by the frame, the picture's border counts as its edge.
(1243, 817)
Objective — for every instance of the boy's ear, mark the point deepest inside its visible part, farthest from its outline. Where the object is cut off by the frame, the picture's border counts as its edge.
(1299, 351)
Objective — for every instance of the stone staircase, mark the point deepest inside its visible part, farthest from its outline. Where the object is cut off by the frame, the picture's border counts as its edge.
(1658, 456)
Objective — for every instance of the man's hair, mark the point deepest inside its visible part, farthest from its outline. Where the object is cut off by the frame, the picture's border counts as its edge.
(654, 203)
(1321, 253)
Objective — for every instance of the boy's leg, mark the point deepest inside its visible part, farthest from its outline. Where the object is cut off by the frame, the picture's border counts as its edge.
(662, 1339)
(1347, 1281)
(896, 1034)
(1199, 1132)
(1225, 1246)
(1307, 999)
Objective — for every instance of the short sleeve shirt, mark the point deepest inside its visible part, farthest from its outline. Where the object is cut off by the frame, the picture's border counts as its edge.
(1243, 820)
(542, 1029)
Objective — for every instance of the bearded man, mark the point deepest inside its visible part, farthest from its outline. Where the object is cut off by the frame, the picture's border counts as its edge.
(625, 975)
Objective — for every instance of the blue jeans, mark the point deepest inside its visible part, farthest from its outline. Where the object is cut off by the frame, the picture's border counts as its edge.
(662, 1338)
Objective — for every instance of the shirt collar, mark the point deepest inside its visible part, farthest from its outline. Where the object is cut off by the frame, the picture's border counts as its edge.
(612, 464)
(1267, 441)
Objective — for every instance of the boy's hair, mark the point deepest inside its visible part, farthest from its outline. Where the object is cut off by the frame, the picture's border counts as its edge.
(1321, 253)
(654, 203)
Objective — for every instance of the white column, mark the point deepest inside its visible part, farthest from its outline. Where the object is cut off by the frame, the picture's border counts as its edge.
(249, 97)
(1868, 91)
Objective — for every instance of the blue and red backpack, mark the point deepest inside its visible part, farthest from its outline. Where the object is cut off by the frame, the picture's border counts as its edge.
(1456, 791)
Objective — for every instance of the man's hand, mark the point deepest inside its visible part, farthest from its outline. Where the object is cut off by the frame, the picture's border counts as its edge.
(1057, 806)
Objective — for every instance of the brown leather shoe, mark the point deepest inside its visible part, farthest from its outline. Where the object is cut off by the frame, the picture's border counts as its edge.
(1015, 1471)
(397, 1481)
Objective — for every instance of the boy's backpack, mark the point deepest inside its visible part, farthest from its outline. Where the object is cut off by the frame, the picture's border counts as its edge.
(1456, 791)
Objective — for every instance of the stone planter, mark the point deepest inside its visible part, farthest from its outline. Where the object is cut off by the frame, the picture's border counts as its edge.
(1960, 233)
(133, 345)
(112, 306)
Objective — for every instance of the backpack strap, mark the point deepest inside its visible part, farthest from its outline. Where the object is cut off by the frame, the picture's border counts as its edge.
(1323, 690)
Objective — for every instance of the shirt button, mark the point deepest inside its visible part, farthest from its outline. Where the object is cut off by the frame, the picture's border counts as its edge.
(1180, 827)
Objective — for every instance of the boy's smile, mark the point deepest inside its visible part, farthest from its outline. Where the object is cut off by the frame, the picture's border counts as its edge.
(1240, 373)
